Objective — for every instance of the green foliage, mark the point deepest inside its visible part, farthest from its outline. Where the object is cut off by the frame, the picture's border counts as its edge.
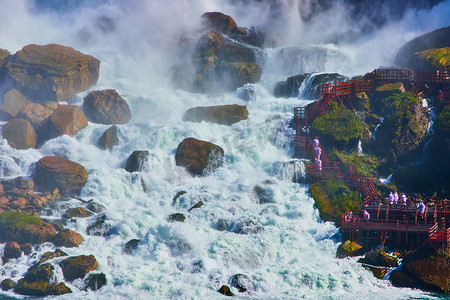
(17, 219)
(442, 123)
(339, 125)
(365, 165)
(333, 198)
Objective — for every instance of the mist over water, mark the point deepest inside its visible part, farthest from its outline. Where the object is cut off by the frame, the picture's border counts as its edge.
(288, 252)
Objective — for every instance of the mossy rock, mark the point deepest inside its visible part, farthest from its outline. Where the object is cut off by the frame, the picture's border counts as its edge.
(7, 284)
(349, 249)
(218, 21)
(361, 102)
(77, 212)
(379, 258)
(23, 228)
(49, 255)
(199, 157)
(78, 266)
(222, 114)
(67, 238)
(383, 97)
(39, 273)
(431, 60)
(41, 288)
(225, 290)
(4, 56)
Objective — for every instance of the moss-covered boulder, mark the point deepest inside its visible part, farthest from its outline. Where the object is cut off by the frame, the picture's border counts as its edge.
(431, 60)
(20, 134)
(379, 258)
(109, 138)
(7, 284)
(78, 266)
(222, 114)
(349, 249)
(432, 40)
(50, 255)
(13, 102)
(106, 107)
(41, 288)
(137, 161)
(23, 228)
(361, 102)
(403, 129)
(67, 238)
(225, 290)
(382, 97)
(431, 270)
(56, 172)
(199, 157)
(52, 72)
(36, 114)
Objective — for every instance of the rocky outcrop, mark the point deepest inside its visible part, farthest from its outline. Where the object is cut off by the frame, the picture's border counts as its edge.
(20, 134)
(432, 40)
(109, 138)
(349, 249)
(56, 172)
(381, 93)
(137, 161)
(13, 102)
(11, 250)
(222, 114)
(290, 87)
(36, 114)
(199, 157)
(106, 107)
(67, 238)
(379, 258)
(52, 72)
(78, 266)
(430, 60)
(23, 228)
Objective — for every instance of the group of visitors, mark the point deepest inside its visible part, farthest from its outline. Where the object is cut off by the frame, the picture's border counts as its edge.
(394, 199)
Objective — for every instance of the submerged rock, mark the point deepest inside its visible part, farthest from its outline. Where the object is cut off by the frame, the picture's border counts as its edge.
(131, 245)
(106, 107)
(264, 194)
(77, 212)
(225, 290)
(177, 217)
(222, 114)
(20, 134)
(78, 266)
(109, 138)
(52, 72)
(99, 227)
(138, 161)
(94, 282)
(199, 157)
(242, 282)
(56, 172)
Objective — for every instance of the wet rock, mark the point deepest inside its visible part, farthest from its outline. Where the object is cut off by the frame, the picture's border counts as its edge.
(222, 114)
(131, 245)
(225, 290)
(18, 183)
(59, 224)
(222, 225)
(36, 114)
(56, 172)
(27, 248)
(196, 205)
(78, 266)
(349, 249)
(67, 238)
(49, 255)
(20, 134)
(66, 119)
(264, 194)
(242, 282)
(361, 102)
(95, 207)
(379, 258)
(13, 102)
(138, 161)
(41, 288)
(290, 87)
(94, 281)
(402, 279)
(237, 74)
(4, 56)
(41, 272)
(11, 250)
(177, 217)
(109, 138)
(178, 195)
(247, 93)
(199, 157)
(245, 226)
(52, 72)
(430, 60)
(99, 227)
(23, 228)
(106, 107)
(7, 284)
(77, 212)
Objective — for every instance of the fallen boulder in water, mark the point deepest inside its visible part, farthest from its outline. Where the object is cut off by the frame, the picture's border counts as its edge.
(106, 107)
(199, 157)
(221, 114)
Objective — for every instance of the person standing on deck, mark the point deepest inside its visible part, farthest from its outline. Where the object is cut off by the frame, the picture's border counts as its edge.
(391, 199)
(403, 199)
(421, 209)
(318, 164)
(366, 215)
(395, 198)
(316, 147)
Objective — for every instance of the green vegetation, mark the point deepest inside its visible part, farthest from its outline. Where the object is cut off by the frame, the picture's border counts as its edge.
(438, 58)
(17, 219)
(339, 125)
(442, 123)
(333, 198)
(365, 165)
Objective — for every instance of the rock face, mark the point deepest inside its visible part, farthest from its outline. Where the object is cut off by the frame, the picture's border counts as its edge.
(199, 156)
(430, 60)
(106, 107)
(52, 72)
(56, 172)
(20, 134)
(137, 162)
(109, 138)
(13, 102)
(435, 39)
(78, 266)
(67, 238)
(290, 87)
(223, 114)
(23, 228)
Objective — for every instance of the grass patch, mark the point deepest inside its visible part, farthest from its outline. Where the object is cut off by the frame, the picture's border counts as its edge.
(17, 219)
(365, 165)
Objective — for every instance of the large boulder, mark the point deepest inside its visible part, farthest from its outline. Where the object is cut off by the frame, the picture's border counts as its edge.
(56, 172)
(11, 250)
(67, 238)
(77, 212)
(52, 72)
(36, 282)
(222, 114)
(439, 38)
(20, 134)
(379, 258)
(199, 156)
(23, 228)
(35, 113)
(137, 161)
(78, 266)
(349, 249)
(66, 119)
(13, 102)
(106, 107)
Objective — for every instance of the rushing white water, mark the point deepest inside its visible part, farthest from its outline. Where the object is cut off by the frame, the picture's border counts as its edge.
(288, 253)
